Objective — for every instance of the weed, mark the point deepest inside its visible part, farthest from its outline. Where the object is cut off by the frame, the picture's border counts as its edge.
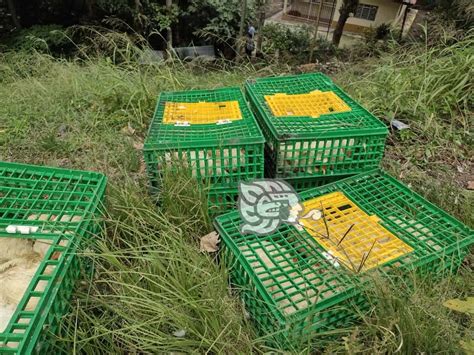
(150, 279)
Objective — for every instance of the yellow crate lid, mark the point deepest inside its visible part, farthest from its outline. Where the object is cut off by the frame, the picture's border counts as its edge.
(355, 239)
(312, 104)
(201, 112)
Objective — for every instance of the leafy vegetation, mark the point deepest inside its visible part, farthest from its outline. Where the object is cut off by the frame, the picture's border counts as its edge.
(190, 22)
(40, 38)
(285, 41)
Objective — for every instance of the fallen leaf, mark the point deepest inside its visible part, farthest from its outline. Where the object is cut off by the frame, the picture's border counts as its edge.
(142, 166)
(209, 243)
(470, 185)
(64, 162)
(179, 333)
(128, 129)
(138, 145)
(462, 306)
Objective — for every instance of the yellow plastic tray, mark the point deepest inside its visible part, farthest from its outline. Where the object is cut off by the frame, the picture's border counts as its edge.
(356, 240)
(201, 112)
(312, 104)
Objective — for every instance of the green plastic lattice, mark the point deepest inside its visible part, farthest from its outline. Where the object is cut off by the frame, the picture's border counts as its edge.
(62, 208)
(293, 288)
(333, 144)
(305, 183)
(219, 154)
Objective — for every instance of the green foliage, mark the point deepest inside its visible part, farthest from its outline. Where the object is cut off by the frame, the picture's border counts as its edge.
(191, 21)
(163, 17)
(49, 38)
(428, 88)
(220, 19)
(150, 279)
(442, 88)
(147, 16)
(293, 44)
(281, 38)
(377, 40)
(114, 6)
(380, 32)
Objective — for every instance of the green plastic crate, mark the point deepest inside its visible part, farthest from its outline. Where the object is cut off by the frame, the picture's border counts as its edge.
(47, 199)
(301, 184)
(333, 144)
(216, 154)
(300, 292)
(221, 200)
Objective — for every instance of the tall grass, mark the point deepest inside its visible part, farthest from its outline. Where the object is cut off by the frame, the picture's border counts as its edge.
(74, 113)
(406, 316)
(429, 88)
(150, 278)
(426, 86)
(152, 290)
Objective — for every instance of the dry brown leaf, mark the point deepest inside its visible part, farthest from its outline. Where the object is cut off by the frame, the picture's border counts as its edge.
(463, 306)
(128, 129)
(209, 243)
(470, 185)
(138, 145)
(142, 166)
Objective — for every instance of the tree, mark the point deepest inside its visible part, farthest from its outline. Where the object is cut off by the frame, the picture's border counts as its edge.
(163, 17)
(12, 10)
(243, 14)
(216, 20)
(169, 33)
(261, 15)
(316, 28)
(347, 7)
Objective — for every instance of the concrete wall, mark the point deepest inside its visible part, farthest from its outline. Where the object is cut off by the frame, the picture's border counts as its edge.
(387, 12)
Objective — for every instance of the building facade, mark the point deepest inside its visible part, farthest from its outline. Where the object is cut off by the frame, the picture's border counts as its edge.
(370, 13)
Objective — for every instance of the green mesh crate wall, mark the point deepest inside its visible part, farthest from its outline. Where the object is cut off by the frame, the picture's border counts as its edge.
(49, 198)
(299, 292)
(221, 200)
(49, 194)
(301, 184)
(217, 154)
(336, 143)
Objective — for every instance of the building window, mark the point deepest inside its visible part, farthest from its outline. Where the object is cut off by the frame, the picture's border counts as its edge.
(366, 12)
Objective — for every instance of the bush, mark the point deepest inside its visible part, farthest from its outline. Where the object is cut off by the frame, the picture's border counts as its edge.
(277, 38)
(46, 39)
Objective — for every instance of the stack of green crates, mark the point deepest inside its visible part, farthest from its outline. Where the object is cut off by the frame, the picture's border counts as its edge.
(294, 288)
(219, 155)
(313, 151)
(61, 207)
